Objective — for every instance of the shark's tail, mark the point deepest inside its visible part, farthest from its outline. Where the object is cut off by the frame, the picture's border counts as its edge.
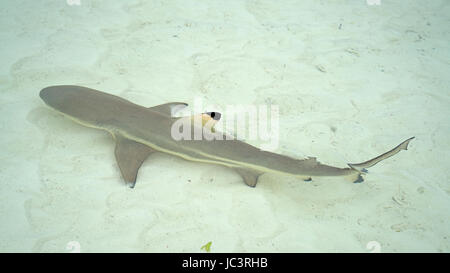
(361, 167)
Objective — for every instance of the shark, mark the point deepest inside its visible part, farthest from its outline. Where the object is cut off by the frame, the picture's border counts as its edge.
(140, 131)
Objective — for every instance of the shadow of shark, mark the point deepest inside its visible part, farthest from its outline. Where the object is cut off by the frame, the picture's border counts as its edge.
(139, 131)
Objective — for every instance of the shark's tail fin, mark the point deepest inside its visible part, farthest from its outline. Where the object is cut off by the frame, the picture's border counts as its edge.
(361, 167)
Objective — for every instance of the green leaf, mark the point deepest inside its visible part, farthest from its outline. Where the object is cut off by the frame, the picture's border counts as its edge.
(207, 247)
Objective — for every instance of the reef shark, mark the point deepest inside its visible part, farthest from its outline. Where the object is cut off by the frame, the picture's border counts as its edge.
(139, 131)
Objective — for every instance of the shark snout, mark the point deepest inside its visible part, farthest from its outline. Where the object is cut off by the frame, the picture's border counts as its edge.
(57, 96)
(47, 93)
(50, 96)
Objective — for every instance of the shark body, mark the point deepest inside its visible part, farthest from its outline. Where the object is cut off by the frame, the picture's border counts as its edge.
(139, 131)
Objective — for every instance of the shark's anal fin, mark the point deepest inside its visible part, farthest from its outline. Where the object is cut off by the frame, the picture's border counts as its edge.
(250, 177)
(359, 179)
(130, 155)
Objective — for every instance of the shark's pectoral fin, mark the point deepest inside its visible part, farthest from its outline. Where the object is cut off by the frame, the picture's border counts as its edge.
(130, 155)
(250, 177)
(169, 109)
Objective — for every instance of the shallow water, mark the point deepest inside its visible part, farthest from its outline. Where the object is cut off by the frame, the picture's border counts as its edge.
(351, 81)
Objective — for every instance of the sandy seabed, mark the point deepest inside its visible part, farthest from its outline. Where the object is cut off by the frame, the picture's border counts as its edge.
(351, 80)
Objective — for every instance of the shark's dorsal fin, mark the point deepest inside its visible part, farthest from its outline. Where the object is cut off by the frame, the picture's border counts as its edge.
(130, 155)
(169, 109)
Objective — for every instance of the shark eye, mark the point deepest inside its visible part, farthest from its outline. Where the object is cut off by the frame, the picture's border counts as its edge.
(214, 115)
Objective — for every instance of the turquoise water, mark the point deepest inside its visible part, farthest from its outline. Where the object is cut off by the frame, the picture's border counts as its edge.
(351, 80)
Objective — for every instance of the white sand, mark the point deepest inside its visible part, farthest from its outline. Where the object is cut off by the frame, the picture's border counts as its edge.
(376, 74)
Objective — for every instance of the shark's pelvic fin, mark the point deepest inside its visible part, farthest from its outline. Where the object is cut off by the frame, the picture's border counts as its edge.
(250, 177)
(169, 109)
(130, 155)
